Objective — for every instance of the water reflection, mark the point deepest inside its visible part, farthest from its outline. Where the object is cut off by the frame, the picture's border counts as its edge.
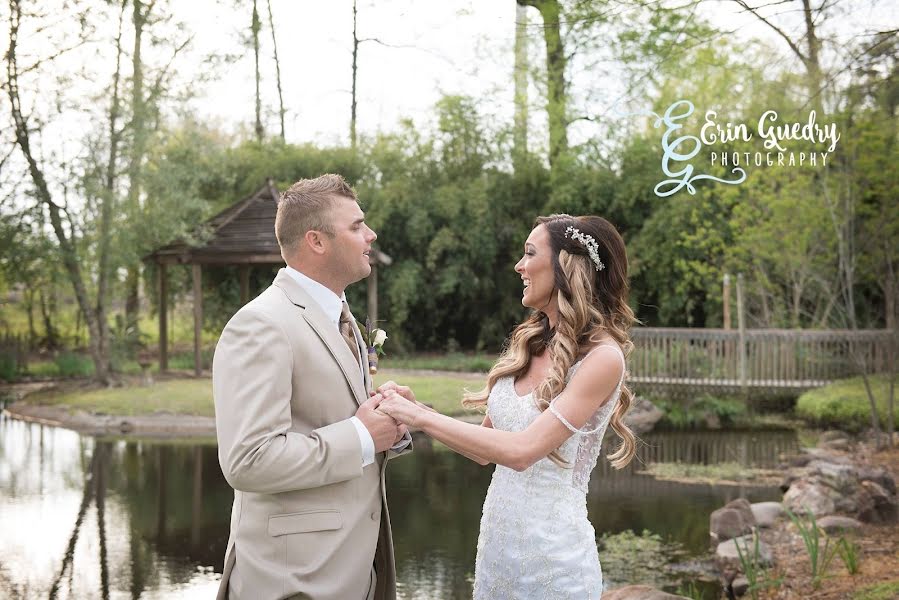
(88, 518)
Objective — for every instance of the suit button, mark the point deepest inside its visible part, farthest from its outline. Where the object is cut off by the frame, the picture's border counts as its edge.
(374, 516)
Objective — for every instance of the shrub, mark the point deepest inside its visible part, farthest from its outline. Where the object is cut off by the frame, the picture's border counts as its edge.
(8, 367)
(844, 404)
(71, 364)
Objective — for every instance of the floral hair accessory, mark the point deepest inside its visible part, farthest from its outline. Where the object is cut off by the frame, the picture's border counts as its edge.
(587, 242)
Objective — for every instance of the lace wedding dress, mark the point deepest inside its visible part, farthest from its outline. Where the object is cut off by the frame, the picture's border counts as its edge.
(535, 540)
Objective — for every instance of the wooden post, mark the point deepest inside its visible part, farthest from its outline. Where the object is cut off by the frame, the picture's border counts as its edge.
(373, 295)
(726, 300)
(163, 318)
(741, 323)
(244, 284)
(198, 316)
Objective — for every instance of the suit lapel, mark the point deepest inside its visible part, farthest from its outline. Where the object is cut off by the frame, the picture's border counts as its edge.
(326, 331)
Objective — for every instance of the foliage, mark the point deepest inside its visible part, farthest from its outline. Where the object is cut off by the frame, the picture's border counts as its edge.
(751, 564)
(819, 557)
(887, 590)
(694, 413)
(844, 404)
(70, 364)
(639, 557)
(849, 554)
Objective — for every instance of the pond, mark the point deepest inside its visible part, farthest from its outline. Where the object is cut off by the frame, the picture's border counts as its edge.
(111, 518)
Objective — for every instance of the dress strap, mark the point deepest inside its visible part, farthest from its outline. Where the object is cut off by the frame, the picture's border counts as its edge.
(563, 420)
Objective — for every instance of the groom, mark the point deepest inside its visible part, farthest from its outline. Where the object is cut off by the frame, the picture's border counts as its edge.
(299, 440)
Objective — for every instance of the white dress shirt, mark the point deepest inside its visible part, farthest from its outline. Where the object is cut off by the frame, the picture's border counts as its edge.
(332, 306)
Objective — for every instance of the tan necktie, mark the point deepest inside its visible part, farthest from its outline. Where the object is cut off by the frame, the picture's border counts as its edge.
(346, 331)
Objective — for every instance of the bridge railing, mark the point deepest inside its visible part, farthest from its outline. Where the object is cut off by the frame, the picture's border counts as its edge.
(771, 357)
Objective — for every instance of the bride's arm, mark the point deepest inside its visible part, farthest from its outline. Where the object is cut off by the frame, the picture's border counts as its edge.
(481, 461)
(593, 384)
(407, 393)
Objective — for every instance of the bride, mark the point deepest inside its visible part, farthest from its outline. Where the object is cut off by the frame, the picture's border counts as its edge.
(549, 399)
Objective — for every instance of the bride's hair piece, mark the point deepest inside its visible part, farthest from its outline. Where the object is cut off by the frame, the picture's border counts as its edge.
(591, 302)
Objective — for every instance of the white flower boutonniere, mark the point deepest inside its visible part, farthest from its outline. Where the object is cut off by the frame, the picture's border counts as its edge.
(374, 341)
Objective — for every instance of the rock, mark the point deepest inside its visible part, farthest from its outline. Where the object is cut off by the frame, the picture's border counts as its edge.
(643, 416)
(840, 445)
(727, 523)
(788, 480)
(742, 505)
(839, 477)
(880, 476)
(833, 434)
(767, 513)
(807, 496)
(727, 558)
(885, 506)
(740, 586)
(639, 592)
(836, 524)
(825, 455)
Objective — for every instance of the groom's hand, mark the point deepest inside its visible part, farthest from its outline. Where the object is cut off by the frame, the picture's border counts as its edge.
(382, 428)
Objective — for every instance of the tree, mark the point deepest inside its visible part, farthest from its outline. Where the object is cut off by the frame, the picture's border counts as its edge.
(556, 64)
(57, 212)
(255, 25)
(281, 111)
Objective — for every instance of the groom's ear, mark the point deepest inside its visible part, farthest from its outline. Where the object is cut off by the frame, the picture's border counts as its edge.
(315, 241)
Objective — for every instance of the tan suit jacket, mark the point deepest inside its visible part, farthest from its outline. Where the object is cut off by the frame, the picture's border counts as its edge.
(307, 521)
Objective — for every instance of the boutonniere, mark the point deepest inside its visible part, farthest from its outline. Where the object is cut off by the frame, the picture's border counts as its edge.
(374, 342)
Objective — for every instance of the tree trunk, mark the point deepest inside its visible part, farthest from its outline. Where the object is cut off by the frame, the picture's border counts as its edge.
(812, 61)
(68, 251)
(556, 63)
(520, 139)
(107, 199)
(47, 310)
(254, 27)
(353, 96)
(135, 163)
(281, 110)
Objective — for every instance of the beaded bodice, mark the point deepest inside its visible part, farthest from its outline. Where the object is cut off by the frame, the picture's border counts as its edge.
(510, 412)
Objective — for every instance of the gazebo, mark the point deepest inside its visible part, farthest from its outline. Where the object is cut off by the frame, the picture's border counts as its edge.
(241, 235)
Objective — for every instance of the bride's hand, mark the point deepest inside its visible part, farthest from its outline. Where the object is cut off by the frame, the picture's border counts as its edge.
(403, 391)
(400, 408)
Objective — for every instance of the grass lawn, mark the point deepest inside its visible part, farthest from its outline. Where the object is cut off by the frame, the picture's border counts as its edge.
(711, 474)
(194, 396)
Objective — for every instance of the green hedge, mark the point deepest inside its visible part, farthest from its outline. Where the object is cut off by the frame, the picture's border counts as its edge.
(844, 404)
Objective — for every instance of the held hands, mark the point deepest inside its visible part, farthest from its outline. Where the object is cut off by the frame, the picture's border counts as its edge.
(385, 431)
(399, 402)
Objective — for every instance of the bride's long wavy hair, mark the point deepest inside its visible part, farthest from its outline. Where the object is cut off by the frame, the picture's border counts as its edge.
(591, 303)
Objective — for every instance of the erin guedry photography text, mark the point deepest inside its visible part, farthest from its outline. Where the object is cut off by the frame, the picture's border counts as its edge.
(773, 134)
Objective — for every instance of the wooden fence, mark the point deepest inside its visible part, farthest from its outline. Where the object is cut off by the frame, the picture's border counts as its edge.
(775, 359)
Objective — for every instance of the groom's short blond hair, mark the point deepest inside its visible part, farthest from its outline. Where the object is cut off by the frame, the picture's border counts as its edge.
(306, 206)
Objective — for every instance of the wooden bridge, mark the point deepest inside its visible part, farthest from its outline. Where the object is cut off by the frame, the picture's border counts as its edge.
(780, 361)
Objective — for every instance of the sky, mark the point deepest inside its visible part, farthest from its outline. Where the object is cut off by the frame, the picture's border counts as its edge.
(454, 46)
(430, 49)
